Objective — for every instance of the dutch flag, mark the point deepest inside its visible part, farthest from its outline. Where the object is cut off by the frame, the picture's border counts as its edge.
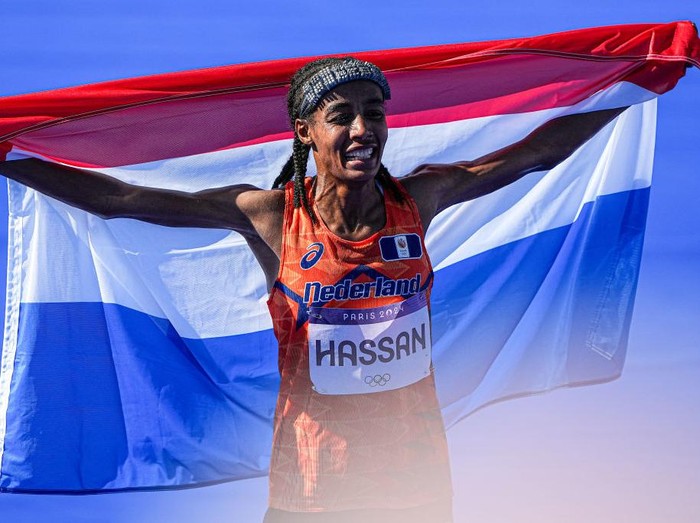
(138, 356)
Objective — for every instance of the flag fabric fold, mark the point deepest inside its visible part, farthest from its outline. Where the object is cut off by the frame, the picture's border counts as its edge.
(138, 356)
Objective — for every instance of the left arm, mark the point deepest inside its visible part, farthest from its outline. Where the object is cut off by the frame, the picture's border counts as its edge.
(438, 186)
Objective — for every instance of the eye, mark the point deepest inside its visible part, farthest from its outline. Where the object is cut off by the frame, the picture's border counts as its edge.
(375, 114)
(341, 118)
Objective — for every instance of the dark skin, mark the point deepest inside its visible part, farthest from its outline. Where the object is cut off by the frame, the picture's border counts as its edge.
(347, 134)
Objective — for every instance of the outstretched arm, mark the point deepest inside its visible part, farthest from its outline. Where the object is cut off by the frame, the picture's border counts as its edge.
(438, 186)
(243, 208)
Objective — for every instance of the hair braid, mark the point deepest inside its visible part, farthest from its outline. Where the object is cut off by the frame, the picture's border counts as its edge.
(388, 182)
(300, 158)
(285, 175)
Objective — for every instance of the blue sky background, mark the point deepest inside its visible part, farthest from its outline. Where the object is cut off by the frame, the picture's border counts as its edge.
(624, 451)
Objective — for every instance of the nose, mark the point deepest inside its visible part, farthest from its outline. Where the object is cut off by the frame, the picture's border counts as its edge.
(358, 129)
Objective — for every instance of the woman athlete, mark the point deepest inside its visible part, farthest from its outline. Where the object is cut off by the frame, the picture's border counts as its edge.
(358, 434)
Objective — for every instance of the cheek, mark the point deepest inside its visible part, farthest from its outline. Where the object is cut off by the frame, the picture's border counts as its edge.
(336, 144)
(382, 132)
(328, 139)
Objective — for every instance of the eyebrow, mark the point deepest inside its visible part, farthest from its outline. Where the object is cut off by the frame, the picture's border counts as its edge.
(335, 106)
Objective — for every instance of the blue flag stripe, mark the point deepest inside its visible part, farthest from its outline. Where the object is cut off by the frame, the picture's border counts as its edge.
(214, 424)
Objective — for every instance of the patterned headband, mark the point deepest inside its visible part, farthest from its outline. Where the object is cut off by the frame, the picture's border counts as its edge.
(331, 76)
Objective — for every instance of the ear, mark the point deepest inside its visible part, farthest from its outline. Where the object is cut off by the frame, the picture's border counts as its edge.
(302, 127)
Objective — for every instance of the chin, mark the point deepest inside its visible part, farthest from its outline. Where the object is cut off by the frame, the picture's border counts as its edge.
(360, 176)
(365, 172)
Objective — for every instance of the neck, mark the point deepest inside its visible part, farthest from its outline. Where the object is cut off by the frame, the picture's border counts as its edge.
(352, 211)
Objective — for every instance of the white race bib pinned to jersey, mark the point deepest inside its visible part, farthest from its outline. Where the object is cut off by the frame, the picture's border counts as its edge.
(360, 351)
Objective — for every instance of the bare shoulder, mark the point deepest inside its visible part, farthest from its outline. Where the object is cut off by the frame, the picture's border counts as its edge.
(255, 202)
(426, 184)
(264, 210)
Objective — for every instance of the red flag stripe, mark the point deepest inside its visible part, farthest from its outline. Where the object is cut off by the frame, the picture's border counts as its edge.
(82, 124)
(237, 119)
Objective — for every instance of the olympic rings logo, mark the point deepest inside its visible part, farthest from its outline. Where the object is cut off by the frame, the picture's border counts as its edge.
(315, 251)
(378, 380)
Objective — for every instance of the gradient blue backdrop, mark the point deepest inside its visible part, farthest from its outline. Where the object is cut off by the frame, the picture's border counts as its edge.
(624, 451)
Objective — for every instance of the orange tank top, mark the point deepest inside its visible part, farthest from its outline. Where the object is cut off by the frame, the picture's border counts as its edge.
(357, 423)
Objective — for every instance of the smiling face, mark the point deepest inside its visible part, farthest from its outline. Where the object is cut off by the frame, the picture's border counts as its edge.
(347, 132)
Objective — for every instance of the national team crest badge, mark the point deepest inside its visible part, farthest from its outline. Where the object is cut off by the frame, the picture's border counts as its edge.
(400, 247)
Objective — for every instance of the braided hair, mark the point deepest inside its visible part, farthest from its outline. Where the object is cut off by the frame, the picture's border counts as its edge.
(295, 167)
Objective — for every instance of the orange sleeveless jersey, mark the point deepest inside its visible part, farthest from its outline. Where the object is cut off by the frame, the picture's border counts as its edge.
(357, 423)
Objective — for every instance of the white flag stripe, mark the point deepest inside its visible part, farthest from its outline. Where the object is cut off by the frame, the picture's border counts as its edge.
(516, 211)
(83, 243)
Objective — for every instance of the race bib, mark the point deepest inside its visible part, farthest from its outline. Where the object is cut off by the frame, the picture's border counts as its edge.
(360, 351)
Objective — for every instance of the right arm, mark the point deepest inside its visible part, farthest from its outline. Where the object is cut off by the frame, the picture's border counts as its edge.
(252, 212)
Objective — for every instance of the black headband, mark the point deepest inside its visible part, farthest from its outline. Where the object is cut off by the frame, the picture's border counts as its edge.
(331, 76)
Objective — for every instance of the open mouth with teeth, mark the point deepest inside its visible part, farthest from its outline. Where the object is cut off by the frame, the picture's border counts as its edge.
(360, 154)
